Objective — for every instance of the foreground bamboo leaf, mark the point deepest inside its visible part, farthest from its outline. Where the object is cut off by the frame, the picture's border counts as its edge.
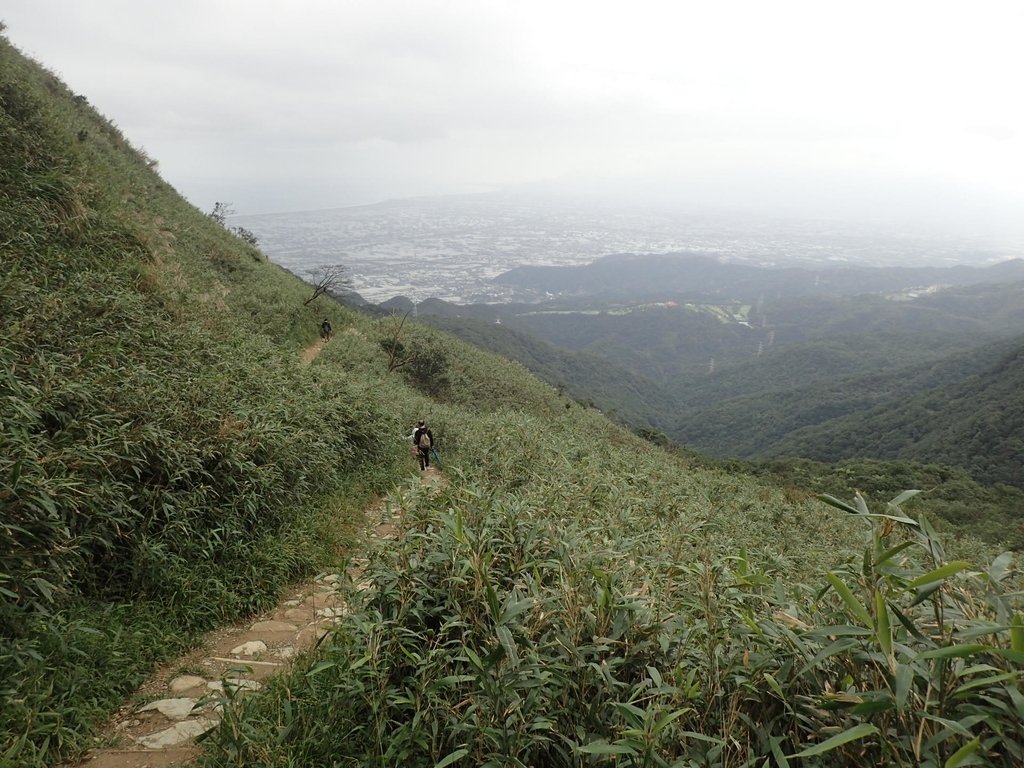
(853, 734)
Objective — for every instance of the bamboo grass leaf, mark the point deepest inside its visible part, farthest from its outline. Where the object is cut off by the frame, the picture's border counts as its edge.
(890, 553)
(852, 603)
(963, 753)
(452, 757)
(955, 651)
(986, 682)
(320, 666)
(509, 644)
(513, 607)
(668, 717)
(1017, 657)
(655, 676)
(1000, 567)
(604, 748)
(883, 632)
(852, 734)
(702, 737)
(837, 503)
(940, 573)
(774, 685)
(777, 753)
(904, 496)
(903, 680)
(862, 505)
(925, 592)
(492, 602)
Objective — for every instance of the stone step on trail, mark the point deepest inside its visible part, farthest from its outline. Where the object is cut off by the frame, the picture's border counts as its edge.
(185, 697)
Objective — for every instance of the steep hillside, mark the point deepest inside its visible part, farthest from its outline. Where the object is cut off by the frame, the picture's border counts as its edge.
(837, 381)
(788, 377)
(167, 464)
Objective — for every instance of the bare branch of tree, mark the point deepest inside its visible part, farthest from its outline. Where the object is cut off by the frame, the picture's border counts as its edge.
(394, 347)
(220, 213)
(327, 278)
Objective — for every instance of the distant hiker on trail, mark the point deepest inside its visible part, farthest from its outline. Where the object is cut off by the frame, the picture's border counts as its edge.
(423, 440)
(326, 330)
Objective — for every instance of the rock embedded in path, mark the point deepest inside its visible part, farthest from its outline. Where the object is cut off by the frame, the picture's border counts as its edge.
(177, 734)
(251, 648)
(310, 635)
(184, 683)
(173, 709)
(273, 626)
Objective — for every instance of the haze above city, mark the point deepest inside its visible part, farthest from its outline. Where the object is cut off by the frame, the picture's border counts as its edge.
(896, 115)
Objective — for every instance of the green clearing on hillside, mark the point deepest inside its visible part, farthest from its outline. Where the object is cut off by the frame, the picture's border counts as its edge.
(575, 596)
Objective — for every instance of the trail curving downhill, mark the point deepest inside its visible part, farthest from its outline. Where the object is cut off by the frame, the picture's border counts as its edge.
(182, 700)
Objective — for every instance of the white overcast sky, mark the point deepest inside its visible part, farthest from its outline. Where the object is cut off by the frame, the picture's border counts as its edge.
(874, 107)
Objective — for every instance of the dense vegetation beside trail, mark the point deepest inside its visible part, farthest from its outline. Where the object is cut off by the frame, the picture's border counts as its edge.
(165, 466)
(573, 596)
(566, 624)
(960, 505)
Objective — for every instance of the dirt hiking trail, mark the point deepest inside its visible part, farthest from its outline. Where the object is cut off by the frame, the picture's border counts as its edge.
(182, 700)
(312, 352)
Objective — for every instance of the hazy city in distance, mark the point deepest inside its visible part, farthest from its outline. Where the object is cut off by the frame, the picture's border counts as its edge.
(452, 247)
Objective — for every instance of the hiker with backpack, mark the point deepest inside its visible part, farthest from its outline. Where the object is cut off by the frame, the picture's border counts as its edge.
(423, 440)
(326, 330)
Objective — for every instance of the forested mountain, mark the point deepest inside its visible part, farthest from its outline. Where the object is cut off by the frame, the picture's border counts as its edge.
(988, 308)
(804, 393)
(976, 423)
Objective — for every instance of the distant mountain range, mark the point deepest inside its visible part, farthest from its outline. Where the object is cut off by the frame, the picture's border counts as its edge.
(641, 277)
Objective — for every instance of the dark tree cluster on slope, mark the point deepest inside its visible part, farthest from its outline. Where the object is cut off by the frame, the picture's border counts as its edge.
(220, 214)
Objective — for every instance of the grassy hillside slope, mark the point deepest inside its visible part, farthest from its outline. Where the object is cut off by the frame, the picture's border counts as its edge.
(574, 595)
(617, 392)
(164, 463)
